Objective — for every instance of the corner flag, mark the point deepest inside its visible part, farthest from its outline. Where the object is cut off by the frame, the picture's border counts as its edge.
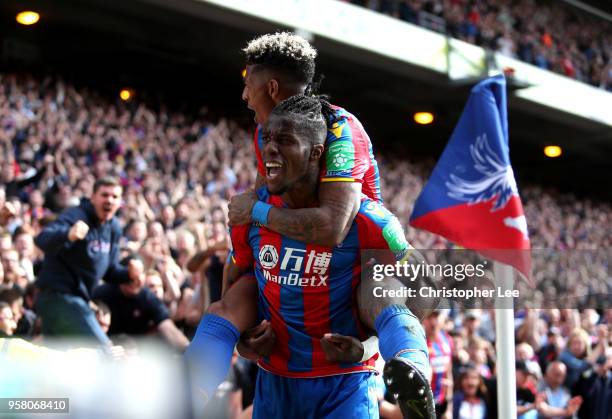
(471, 197)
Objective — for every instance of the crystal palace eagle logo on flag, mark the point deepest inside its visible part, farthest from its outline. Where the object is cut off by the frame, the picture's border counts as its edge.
(472, 197)
(497, 183)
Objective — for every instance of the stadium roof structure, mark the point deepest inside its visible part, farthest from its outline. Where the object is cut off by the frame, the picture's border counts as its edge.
(189, 50)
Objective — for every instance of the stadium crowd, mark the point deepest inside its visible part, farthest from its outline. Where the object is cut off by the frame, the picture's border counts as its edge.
(178, 172)
(547, 34)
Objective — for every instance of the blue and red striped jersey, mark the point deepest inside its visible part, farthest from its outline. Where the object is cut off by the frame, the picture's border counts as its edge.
(306, 291)
(349, 156)
(440, 358)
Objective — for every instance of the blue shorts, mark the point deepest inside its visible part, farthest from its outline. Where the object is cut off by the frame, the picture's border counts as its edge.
(337, 396)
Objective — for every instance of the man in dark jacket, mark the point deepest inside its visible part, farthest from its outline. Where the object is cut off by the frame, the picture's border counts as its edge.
(595, 388)
(135, 310)
(80, 247)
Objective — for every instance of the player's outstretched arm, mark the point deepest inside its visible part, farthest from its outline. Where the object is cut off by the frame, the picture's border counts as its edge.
(326, 225)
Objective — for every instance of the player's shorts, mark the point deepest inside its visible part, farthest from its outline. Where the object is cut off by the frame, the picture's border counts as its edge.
(337, 396)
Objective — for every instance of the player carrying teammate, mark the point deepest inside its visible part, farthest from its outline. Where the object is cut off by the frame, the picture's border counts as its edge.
(306, 291)
(279, 66)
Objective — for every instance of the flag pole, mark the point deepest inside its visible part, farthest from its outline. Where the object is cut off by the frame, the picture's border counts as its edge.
(504, 327)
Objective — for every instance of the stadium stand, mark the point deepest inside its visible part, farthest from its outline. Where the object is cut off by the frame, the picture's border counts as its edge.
(549, 35)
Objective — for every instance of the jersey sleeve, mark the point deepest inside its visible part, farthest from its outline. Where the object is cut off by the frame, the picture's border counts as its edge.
(257, 144)
(346, 153)
(242, 254)
(381, 230)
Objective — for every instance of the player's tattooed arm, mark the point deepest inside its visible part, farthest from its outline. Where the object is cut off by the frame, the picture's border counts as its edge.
(326, 225)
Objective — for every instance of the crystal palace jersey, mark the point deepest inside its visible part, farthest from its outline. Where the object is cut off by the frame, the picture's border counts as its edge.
(348, 155)
(306, 291)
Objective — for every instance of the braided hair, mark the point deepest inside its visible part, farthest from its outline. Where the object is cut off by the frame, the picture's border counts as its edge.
(310, 114)
(289, 54)
(309, 103)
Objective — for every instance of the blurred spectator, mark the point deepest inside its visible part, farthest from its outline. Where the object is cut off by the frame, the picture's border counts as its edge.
(471, 324)
(210, 265)
(13, 183)
(14, 273)
(154, 283)
(25, 318)
(525, 353)
(554, 400)
(103, 314)
(531, 332)
(578, 356)
(24, 244)
(80, 247)
(135, 310)
(461, 357)
(8, 325)
(164, 286)
(595, 388)
(551, 349)
(525, 395)
(478, 349)
(471, 398)
(440, 348)
(135, 235)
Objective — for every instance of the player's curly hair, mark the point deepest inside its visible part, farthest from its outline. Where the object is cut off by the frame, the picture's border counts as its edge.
(310, 114)
(285, 52)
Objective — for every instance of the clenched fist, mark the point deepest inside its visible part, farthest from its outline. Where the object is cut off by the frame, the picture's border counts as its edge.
(340, 348)
(257, 342)
(240, 207)
(78, 231)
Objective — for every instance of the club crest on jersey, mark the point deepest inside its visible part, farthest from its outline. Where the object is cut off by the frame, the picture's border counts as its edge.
(268, 256)
(340, 157)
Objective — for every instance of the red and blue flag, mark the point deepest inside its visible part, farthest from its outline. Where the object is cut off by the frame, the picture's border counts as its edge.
(471, 197)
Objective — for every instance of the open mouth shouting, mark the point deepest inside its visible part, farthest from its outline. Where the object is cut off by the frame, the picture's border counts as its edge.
(107, 209)
(255, 119)
(273, 169)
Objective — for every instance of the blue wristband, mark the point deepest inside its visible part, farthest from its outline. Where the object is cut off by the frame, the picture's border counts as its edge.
(260, 211)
